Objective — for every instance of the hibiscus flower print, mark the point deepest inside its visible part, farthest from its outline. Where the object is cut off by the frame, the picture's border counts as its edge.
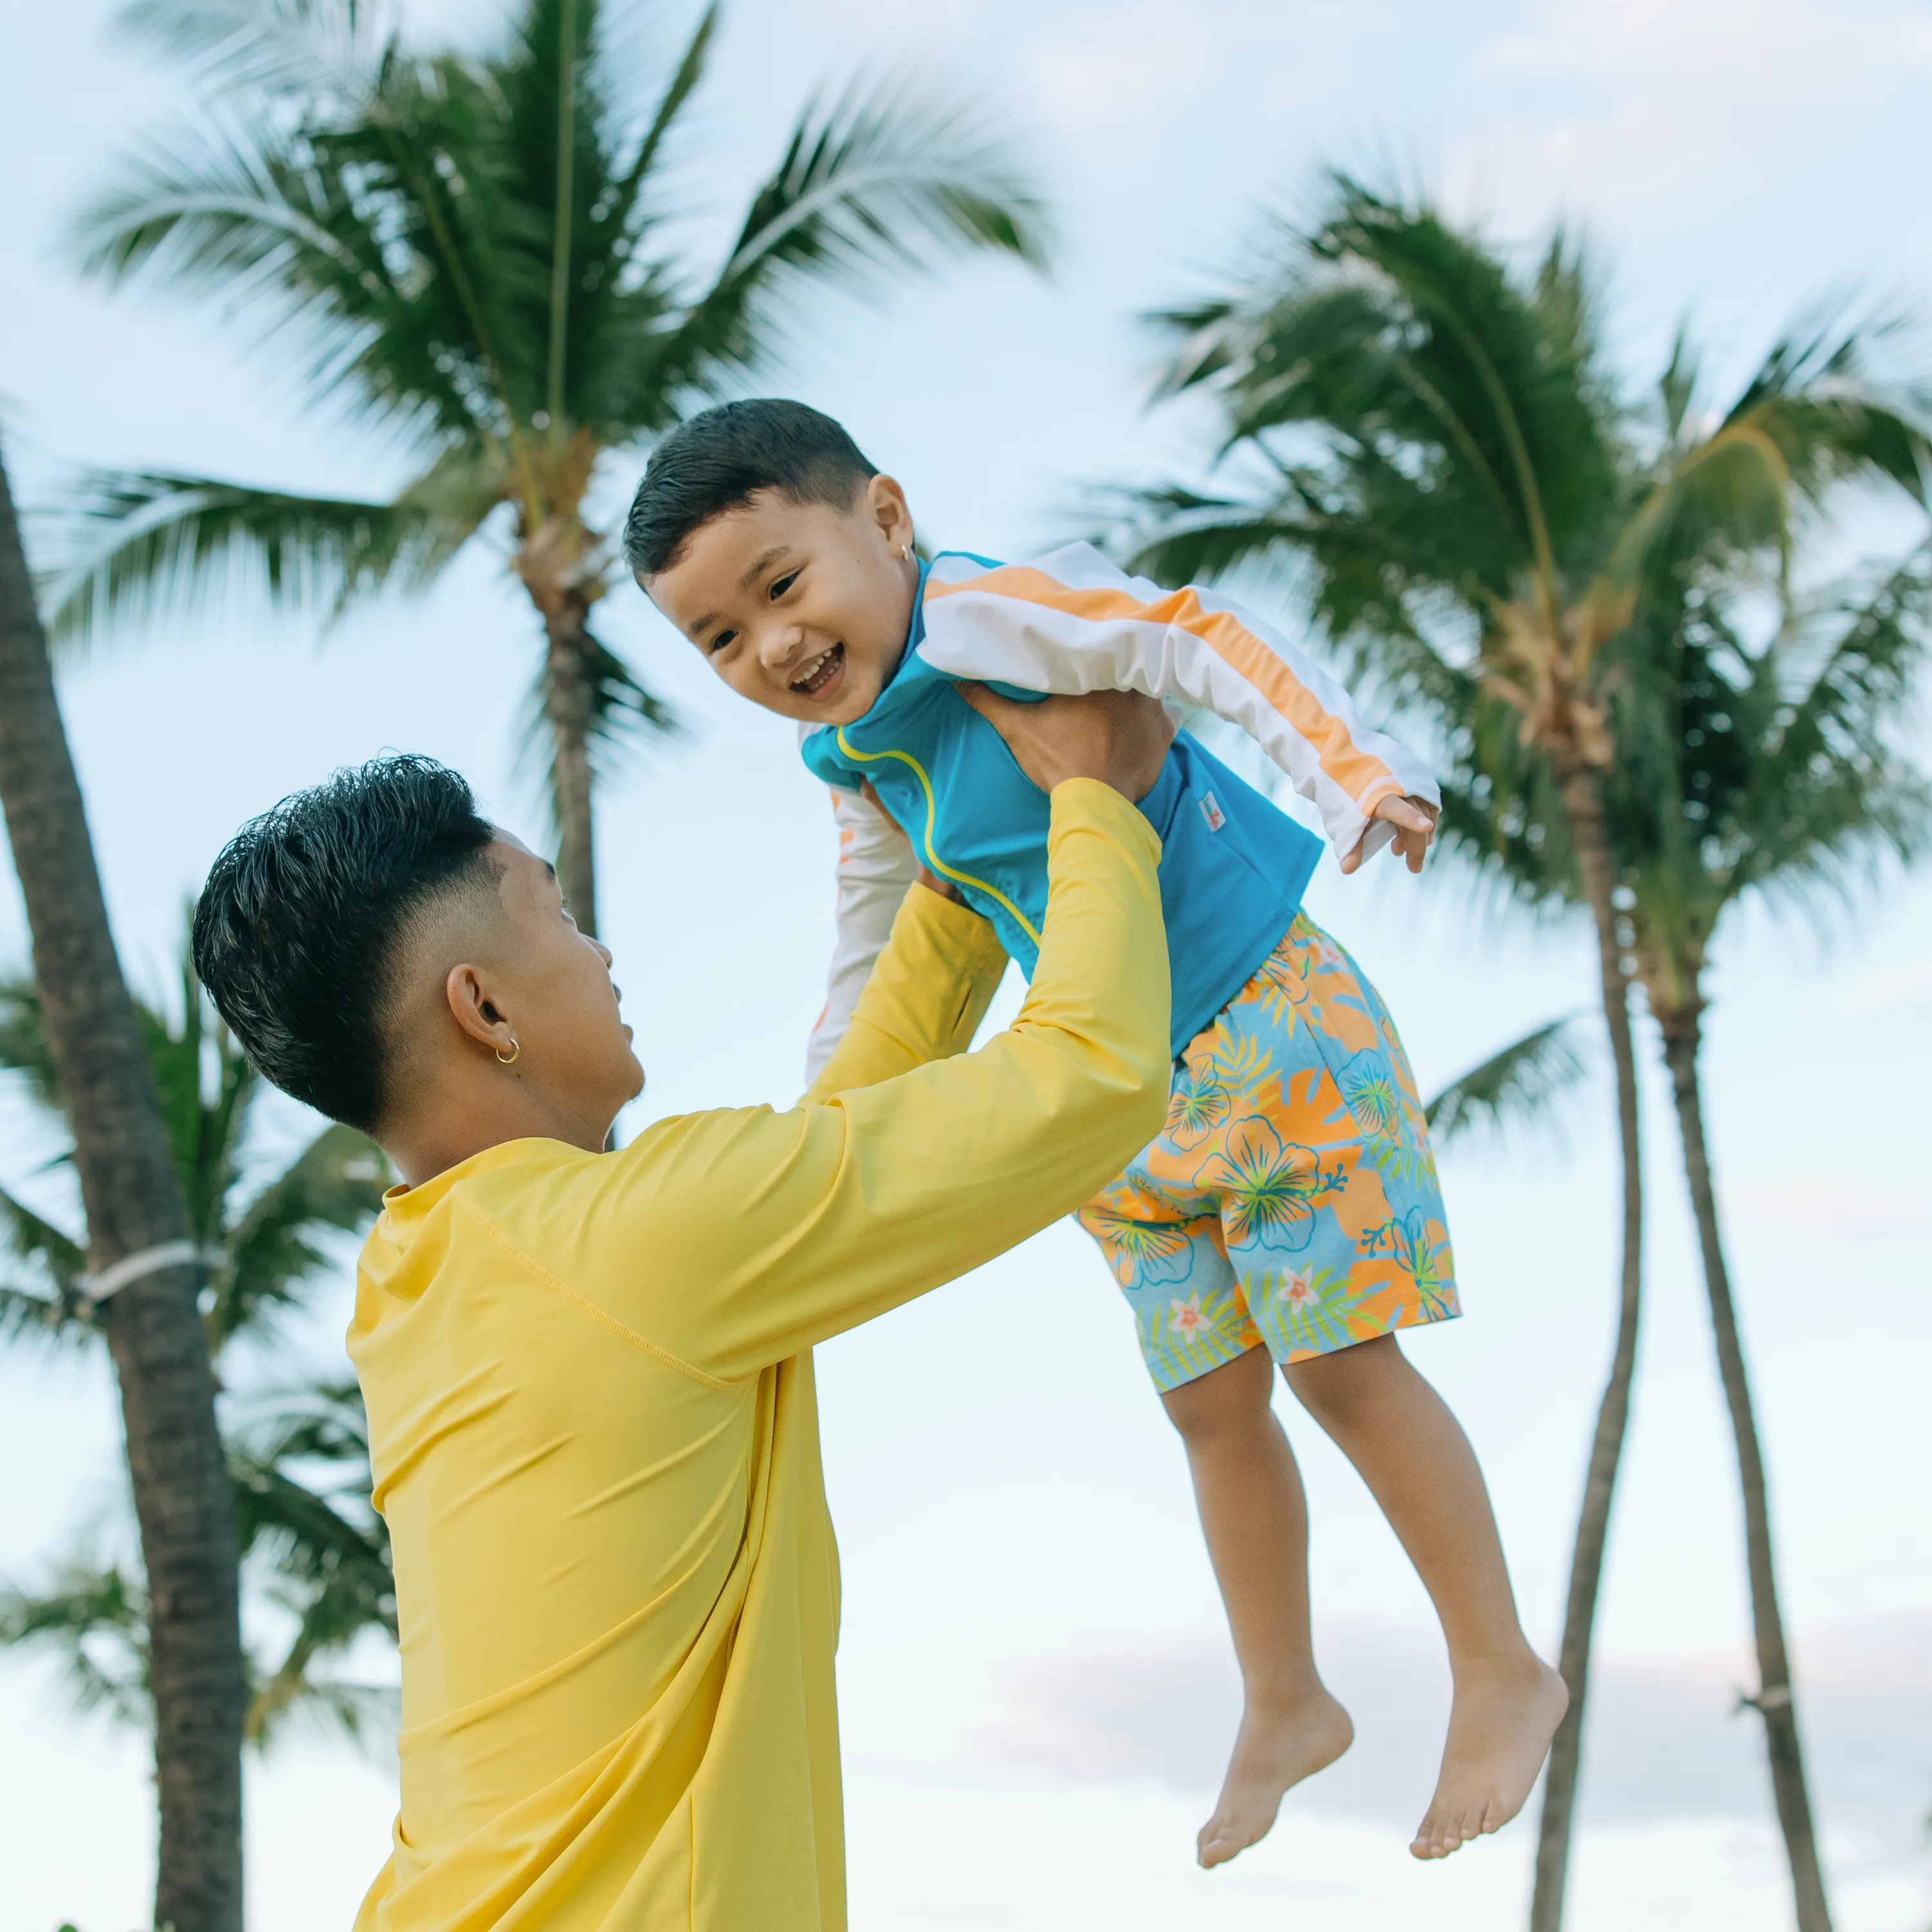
(1370, 1088)
(1142, 1254)
(1199, 1104)
(1267, 1186)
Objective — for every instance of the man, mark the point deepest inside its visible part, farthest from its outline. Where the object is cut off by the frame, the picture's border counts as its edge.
(588, 1377)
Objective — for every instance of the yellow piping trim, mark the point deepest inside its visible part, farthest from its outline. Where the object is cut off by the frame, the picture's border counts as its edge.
(932, 858)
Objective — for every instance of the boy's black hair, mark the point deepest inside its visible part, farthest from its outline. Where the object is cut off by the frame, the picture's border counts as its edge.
(722, 457)
(296, 931)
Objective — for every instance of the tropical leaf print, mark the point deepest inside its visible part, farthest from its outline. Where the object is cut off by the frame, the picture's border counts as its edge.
(1268, 1186)
(1316, 1307)
(1242, 1064)
(1277, 986)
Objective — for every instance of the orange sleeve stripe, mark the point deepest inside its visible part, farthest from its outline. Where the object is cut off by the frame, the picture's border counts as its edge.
(1365, 778)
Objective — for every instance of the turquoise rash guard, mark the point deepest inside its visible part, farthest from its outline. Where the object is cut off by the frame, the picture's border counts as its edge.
(1233, 866)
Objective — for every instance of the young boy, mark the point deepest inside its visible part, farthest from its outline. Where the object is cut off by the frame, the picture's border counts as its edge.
(1289, 1210)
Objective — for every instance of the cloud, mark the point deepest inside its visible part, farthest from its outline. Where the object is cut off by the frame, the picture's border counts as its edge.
(1666, 1740)
(1838, 1204)
(1625, 107)
(1895, 991)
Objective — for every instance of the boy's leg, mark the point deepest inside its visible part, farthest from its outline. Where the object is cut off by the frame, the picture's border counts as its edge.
(1412, 1453)
(1255, 1519)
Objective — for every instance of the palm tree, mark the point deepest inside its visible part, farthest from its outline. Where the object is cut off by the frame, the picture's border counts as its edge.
(314, 1543)
(1436, 447)
(1767, 773)
(137, 1221)
(471, 253)
(317, 1551)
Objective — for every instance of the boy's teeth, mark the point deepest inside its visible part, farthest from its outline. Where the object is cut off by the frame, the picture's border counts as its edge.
(820, 669)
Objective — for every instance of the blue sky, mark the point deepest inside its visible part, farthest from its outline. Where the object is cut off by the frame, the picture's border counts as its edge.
(1037, 1691)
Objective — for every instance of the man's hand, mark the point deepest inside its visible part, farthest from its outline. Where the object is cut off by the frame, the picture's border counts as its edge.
(1414, 822)
(1120, 737)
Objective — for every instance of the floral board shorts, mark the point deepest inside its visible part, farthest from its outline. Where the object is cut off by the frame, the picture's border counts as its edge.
(1291, 1201)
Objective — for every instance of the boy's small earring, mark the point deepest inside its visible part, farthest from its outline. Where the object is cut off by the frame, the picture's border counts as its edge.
(510, 1059)
(905, 551)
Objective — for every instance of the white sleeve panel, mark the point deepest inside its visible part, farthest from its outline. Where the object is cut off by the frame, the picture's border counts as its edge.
(875, 872)
(1072, 622)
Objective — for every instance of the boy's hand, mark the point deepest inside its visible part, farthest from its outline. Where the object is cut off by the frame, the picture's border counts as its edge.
(1120, 737)
(1414, 822)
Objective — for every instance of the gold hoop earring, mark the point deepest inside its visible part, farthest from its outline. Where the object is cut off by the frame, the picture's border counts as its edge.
(510, 1059)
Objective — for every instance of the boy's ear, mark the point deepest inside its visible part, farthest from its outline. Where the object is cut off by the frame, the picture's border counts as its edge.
(886, 505)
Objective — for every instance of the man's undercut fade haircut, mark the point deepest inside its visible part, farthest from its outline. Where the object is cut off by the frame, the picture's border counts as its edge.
(721, 458)
(297, 934)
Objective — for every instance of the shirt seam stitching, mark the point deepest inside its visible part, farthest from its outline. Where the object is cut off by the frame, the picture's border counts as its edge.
(663, 1354)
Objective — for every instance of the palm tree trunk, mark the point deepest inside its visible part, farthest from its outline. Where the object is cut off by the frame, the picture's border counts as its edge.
(567, 703)
(133, 1203)
(1582, 800)
(1775, 1702)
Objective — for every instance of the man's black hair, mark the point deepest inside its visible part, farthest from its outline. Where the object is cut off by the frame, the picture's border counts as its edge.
(724, 457)
(296, 932)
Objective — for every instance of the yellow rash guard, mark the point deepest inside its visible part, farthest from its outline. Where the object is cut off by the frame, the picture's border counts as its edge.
(595, 1437)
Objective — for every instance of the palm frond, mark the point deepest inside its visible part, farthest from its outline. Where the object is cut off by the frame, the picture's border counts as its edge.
(52, 1306)
(25, 1048)
(161, 545)
(94, 1619)
(300, 1469)
(287, 47)
(614, 224)
(1519, 1086)
(624, 713)
(889, 177)
(336, 1182)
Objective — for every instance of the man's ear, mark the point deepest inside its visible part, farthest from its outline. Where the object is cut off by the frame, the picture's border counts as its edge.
(474, 1010)
(886, 505)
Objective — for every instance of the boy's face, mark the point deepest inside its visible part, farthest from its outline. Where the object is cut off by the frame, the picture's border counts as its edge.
(801, 607)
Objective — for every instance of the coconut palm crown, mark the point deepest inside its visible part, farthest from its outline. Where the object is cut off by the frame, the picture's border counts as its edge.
(1428, 448)
(470, 254)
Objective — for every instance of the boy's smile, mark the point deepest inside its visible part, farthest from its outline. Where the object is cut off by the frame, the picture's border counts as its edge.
(803, 607)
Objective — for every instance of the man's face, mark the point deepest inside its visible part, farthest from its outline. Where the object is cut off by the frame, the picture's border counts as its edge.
(801, 607)
(557, 982)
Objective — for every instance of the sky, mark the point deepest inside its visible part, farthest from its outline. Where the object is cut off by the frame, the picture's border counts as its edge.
(1036, 1689)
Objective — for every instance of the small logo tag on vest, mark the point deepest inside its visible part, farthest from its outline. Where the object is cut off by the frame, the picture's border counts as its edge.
(1211, 812)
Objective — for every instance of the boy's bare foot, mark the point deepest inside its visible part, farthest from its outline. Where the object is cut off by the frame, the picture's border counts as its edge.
(1274, 1749)
(1505, 1715)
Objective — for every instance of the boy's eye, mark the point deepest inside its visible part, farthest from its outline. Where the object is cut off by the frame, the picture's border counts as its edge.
(780, 585)
(723, 638)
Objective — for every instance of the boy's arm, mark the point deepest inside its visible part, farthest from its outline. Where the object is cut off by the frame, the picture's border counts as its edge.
(876, 868)
(1072, 621)
(732, 1239)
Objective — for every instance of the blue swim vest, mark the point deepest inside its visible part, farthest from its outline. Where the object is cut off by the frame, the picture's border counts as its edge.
(1233, 865)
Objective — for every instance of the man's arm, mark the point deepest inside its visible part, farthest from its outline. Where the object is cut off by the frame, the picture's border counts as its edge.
(927, 994)
(1072, 621)
(748, 1236)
